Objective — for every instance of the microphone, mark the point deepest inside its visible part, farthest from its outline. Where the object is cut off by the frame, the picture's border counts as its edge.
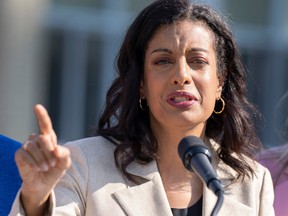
(196, 157)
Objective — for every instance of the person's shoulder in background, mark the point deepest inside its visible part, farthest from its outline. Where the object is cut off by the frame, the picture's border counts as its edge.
(10, 180)
(276, 160)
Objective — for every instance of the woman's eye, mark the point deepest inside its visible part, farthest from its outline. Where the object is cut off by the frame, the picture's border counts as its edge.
(198, 61)
(162, 62)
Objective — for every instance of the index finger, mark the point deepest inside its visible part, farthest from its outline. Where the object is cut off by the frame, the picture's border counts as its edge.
(44, 121)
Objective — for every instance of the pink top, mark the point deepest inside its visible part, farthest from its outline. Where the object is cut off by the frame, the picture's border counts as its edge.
(276, 160)
(281, 199)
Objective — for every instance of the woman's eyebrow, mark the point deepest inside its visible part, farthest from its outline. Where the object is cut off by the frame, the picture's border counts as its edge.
(197, 49)
(194, 49)
(161, 50)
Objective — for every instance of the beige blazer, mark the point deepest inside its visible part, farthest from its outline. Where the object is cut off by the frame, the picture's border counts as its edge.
(93, 186)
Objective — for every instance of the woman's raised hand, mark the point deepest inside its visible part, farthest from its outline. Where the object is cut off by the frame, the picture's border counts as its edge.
(41, 163)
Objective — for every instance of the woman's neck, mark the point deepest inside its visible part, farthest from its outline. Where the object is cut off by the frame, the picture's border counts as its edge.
(168, 139)
(183, 188)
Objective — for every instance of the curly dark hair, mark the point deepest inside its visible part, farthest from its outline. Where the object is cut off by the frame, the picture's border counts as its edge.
(123, 119)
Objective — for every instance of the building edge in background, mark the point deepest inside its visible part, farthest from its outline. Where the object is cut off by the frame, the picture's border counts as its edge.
(23, 79)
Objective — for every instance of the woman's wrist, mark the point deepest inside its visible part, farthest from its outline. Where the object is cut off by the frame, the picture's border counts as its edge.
(34, 206)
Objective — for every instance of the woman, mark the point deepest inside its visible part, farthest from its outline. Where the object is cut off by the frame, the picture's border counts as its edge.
(178, 63)
(276, 158)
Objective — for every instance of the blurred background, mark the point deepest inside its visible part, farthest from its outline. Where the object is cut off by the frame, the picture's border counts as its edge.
(61, 53)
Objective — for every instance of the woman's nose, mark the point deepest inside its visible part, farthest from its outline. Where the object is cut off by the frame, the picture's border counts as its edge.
(181, 74)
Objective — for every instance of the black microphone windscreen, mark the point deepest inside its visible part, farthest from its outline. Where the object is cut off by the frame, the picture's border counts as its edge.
(187, 142)
(188, 147)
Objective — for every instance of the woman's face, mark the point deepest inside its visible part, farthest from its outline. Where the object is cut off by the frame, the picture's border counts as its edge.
(180, 76)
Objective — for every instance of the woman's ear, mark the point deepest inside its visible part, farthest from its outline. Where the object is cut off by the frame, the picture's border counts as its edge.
(219, 91)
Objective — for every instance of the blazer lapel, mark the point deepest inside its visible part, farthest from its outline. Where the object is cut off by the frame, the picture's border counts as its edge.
(227, 175)
(229, 206)
(147, 198)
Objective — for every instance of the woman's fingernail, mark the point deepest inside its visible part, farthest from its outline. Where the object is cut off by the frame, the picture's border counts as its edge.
(52, 162)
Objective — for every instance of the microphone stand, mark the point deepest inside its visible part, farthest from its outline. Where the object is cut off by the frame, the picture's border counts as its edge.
(219, 202)
(197, 158)
(209, 178)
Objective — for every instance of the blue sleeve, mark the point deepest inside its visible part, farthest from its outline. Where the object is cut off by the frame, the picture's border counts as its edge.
(10, 180)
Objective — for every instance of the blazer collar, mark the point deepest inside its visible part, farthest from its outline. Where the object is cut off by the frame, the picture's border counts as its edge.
(227, 176)
(145, 199)
(149, 197)
(229, 206)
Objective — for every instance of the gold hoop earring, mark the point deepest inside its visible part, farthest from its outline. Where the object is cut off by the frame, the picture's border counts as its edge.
(223, 106)
(140, 104)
